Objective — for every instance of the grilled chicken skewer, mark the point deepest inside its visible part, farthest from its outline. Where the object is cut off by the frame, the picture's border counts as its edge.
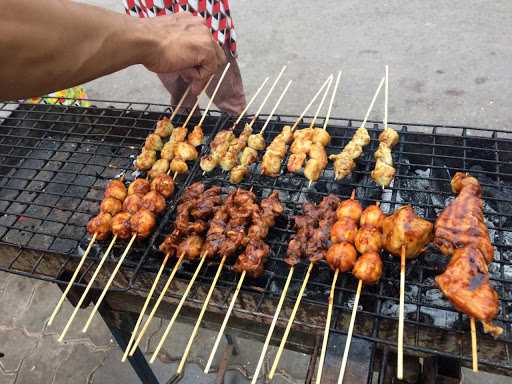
(344, 162)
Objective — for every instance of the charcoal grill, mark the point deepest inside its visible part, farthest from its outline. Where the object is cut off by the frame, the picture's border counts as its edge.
(56, 160)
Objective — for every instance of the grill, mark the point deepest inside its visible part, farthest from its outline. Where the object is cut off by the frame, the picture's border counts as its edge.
(55, 162)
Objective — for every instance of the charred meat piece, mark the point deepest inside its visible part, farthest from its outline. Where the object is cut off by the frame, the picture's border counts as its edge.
(341, 256)
(121, 225)
(132, 203)
(142, 223)
(154, 202)
(191, 247)
(163, 184)
(253, 258)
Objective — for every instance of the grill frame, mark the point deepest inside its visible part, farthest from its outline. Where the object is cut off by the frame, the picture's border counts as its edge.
(411, 153)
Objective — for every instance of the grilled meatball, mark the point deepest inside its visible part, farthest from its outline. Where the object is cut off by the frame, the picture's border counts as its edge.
(191, 247)
(185, 151)
(389, 136)
(313, 169)
(139, 187)
(132, 203)
(153, 142)
(383, 173)
(341, 256)
(101, 225)
(295, 162)
(361, 137)
(368, 268)
(248, 156)
(196, 137)
(179, 134)
(145, 160)
(237, 174)
(154, 202)
(164, 127)
(168, 150)
(350, 208)
(368, 239)
(116, 189)
(345, 229)
(142, 223)
(321, 136)
(353, 150)
(121, 225)
(164, 185)
(160, 167)
(111, 205)
(343, 165)
(178, 166)
(257, 142)
(207, 163)
(271, 164)
(372, 216)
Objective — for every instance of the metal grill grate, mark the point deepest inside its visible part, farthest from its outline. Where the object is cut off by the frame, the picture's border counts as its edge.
(55, 162)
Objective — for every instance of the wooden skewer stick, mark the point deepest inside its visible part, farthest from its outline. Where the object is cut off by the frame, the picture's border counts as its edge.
(290, 322)
(299, 119)
(178, 106)
(327, 327)
(144, 307)
(157, 304)
(240, 117)
(178, 309)
(214, 93)
(400, 362)
(272, 326)
(197, 102)
(373, 102)
(350, 331)
(72, 280)
(275, 107)
(321, 104)
(225, 322)
(87, 289)
(200, 317)
(331, 103)
(255, 117)
(474, 347)
(386, 99)
(109, 282)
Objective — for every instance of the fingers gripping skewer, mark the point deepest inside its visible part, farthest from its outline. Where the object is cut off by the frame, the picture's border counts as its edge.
(331, 103)
(178, 106)
(144, 307)
(225, 322)
(327, 326)
(200, 317)
(272, 326)
(214, 93)
(321, 104)
(400, 362)
(311, 103)
(290, 322)
(250, 102)
(157, 304)
(350, 331)
(87, 289)
(178, 309)
(275, 107)
(197, 102)
(72, 280)
(109, 282)
(474, 347)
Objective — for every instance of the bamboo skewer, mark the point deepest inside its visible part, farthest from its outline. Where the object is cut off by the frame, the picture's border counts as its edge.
(275, 107)
(272, 326)
(290, 322)
(255, 117)
(373, 102)
(400, 362)
(200, 317)
(321, 104)
(156, 305)
(386, 99)
(350, 331)
(311, 103)
(327, 326)
(474, 346)
(144, 307)
(72, 280)
(197, 102)
(178, 106)
(178, 309)
(331, 102)
(225, 322)
(87, 289)
(109, 282)
(242, 114)
(213, 94)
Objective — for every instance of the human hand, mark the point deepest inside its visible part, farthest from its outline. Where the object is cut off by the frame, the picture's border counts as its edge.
(182, 43)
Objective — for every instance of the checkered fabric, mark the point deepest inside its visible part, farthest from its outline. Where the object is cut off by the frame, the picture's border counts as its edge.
(215, 12)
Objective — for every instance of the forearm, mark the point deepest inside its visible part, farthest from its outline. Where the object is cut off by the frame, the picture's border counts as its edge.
(54, 44)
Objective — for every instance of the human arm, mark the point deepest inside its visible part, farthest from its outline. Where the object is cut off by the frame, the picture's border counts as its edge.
(54, 44)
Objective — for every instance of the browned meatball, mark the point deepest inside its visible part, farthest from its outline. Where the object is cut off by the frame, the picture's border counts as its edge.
(132, 203)
(111, 205)
(142, 223)
(116, 189)
(345, 229)
(368, 239)
(121, 225)
(191, 247)
(164, 185)
(153, 142)
(341, 256)
(101, 225)
(139, 187)
(154, 202)
(368, 268)
(372, 216)
(350, 208)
